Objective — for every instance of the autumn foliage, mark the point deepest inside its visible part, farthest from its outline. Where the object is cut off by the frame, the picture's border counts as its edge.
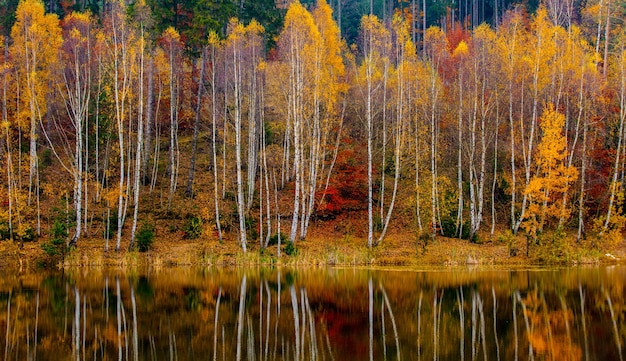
(519, 126)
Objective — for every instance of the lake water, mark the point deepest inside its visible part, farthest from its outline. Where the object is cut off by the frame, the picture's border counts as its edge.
(322, 314)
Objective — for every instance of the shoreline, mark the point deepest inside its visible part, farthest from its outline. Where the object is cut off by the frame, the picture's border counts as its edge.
(397, 251)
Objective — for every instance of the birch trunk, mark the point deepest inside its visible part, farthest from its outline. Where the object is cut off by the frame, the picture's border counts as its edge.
(237, 83)
(214, 138)
(196, 127)
(138, 153)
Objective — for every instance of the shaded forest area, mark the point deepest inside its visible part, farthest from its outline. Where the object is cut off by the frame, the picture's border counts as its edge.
(126, 115)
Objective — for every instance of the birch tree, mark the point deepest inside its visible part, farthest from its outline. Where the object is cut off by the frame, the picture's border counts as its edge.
(214, 45)
(375, 49)
(482, 106)
(613, 221)
(327, 88)
(76, 91)
(120, 38)
(435, 49)
(34, 51)
(141, 111)
(297, 43)
(405, 54)
(234, 51)
(173, 48)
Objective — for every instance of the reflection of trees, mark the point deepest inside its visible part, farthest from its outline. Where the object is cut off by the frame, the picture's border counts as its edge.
(312, 316)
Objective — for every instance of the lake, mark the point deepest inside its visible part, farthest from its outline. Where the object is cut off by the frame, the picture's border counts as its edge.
(320, 314)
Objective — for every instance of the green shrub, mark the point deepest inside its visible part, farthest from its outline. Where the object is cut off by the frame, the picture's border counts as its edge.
(29, 234)
(4, 231)
(291, 249)
(448, 227)
(60, 232)
(274, 239)
(193, 228)
(111, 226)
(144, 237)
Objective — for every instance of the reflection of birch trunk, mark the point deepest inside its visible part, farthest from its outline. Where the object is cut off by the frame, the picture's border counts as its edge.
(267, 329)
(261, 314)
(84, 325)
(582, 315)
(119, 319)
(419, 327)
(76, 325)
(393, 320)
(296, 319)
(135, 337)
(242, 304)
(479, 322)
(172, 344)
(515, 327)
(382, 329)
(312, 331)
(527, 322)
(614, 320)
(436, 323)
(250, 343)
(67, 292)
(460, 301)
(303, 324)
(277, 304)
(217, 314)
(548, 325)
(495, 319)
(567, 329)
(37, 328)
(474, 327)
(371, 317)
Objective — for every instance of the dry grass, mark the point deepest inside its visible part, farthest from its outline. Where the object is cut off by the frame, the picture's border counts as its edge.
(322, 248)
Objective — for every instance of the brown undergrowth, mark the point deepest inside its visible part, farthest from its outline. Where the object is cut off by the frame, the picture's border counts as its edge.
(322, 248)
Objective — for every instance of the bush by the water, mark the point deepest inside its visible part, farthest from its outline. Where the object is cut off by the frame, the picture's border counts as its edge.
(145, 237)
(291, 249)
(193, 228)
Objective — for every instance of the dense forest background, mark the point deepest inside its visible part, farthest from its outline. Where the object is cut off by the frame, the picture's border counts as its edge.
(457, 118)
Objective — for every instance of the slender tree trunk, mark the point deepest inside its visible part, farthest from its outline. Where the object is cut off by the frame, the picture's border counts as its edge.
(618, 151)
(369, 120)
(173, 163)
(607, 33)
(119, 60)
(583, 184)
(138, 153)
(459, 214)
(237, 82)
(196, 127)
(214, 139)
(148, 127)
(296, 80)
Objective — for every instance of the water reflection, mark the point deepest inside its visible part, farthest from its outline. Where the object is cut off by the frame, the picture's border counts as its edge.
(216, 314)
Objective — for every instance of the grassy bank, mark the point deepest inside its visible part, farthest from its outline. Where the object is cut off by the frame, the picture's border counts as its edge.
(321, 250)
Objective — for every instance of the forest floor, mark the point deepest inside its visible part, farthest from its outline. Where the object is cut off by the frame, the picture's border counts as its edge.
(324, 247)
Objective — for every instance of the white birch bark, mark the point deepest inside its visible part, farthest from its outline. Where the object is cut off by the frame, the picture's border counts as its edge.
(237, 85)
(139, 149)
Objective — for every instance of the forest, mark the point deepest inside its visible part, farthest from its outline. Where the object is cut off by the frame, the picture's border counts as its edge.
(469, 120)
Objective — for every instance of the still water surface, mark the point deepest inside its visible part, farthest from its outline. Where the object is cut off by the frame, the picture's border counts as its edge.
(324, 314)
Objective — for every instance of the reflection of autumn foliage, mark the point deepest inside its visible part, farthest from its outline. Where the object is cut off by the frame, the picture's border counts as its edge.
(338, 324)
(550, 334)
(347, 190)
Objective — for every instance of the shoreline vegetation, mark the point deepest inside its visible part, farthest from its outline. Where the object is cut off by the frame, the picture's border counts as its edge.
(399, 250)
(128, 142)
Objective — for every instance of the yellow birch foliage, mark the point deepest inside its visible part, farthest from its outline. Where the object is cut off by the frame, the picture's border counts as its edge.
(553, 177)
(333, 69)
(376, 48)
(36, 42)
